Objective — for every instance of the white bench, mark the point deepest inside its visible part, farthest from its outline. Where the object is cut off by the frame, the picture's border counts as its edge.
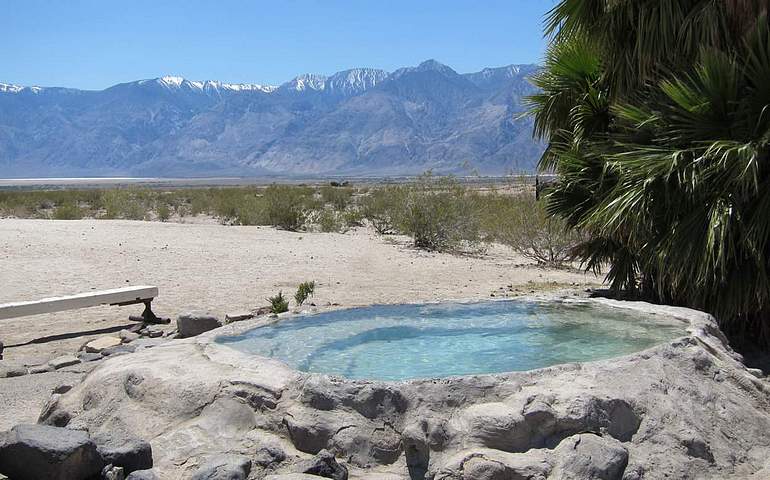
(117, 296)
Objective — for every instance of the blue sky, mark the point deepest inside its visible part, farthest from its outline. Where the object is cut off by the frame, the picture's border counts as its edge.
(94, 44)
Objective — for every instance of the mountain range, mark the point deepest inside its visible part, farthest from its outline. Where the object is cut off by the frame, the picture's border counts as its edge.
(356, 122)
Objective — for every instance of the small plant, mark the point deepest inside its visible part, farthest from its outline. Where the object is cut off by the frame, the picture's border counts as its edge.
(278, 303)
(337, 197)
(331, 221)
(68, 211)
(305, 290)
(164, 213)
(381, 208)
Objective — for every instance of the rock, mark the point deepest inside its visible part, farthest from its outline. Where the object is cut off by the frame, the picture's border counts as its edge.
(499, 426)
(144, 343)
(154, 331)
(292, 476)
(64, 361)
(111, 472)
(143, 475)
(267, 456)
(41, 368)
(756, 372)
(195, 323)
(63, 388)
(323, 465)
(53, 416)
(8, 371)
(117, 350)
(127, 336)
(89, 357)
(99, 344)
(35, 452)
(198, 399)
(121, 450)
(225, 467)
(587, 456)
(238, 316)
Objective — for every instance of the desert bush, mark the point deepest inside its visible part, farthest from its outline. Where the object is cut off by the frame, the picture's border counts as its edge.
(286, 207)
(331, 221)
(338, 197)
(304, 290)
(68, 211)
(278, 303)
(163, 211)
(440, 214)
(381, 208)
(524, 225)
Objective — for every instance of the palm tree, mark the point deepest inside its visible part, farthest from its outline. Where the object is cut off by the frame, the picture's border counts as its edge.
(657, 114)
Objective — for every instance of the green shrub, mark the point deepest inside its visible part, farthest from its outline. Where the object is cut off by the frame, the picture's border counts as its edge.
(331, 221)
(305, 290)
(382, 207)
(278, 303)
(527, 228)
(441, 215)
(68, 211)
(337, 197)
(164, 212)
(286, 207)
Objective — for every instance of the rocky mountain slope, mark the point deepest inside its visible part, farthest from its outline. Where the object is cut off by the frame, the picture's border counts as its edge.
(359, 121)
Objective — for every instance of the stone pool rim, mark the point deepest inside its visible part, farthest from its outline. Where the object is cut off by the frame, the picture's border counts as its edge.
(699, 326)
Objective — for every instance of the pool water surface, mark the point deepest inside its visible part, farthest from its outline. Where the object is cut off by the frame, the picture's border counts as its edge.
(400, 342)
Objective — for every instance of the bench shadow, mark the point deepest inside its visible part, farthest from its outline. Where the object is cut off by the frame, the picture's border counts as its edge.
(65, 336)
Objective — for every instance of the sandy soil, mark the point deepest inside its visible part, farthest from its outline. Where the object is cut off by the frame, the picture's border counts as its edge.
(220, 269)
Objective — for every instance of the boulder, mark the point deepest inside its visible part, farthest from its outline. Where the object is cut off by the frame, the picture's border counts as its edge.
(587, 456)
(124, 451)
(40, 368)
(269, 455)
(238, 316)
(8, 371)
(323, 465)
(37, 451)
(225, 467)
(292, 476)
(96, 346)
(64, 361)
(89, 357)
(118, 350)
(111, 472)
(194, 323)
(154, 331)
(128, 336)
(143, 475)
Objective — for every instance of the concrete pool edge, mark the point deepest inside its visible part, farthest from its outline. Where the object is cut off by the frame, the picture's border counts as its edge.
(652, 414)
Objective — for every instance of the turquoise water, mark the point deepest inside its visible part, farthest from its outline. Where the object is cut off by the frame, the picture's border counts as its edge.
(399, 342)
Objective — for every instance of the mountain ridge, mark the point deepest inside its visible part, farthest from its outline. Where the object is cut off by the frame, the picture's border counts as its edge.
(361, 120)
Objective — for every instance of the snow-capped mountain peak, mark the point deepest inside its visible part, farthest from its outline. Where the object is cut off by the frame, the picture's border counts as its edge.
(307, 81)
(11, 88)
(174, 82)
(356, 80)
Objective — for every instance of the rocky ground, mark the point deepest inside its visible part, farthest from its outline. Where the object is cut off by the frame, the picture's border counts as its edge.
(222, 269)
(687, 409)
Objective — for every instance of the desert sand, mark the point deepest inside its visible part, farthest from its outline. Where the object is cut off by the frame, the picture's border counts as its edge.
(207, 266)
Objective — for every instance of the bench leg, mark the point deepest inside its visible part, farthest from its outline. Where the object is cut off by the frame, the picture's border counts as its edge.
(148, 316)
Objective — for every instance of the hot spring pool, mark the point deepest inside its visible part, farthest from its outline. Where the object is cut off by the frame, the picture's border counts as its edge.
(399, 342)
